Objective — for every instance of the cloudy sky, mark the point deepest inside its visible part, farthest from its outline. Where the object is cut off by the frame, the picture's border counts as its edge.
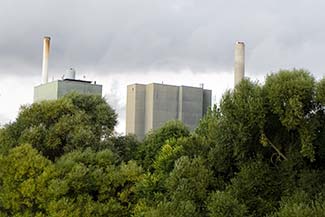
(119, 42)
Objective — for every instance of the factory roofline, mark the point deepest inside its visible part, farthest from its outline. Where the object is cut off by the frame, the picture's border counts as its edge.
(69, 80)
(171, 85)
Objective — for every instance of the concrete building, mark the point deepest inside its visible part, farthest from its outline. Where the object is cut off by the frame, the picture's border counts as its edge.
(150, 106)
(59, 88)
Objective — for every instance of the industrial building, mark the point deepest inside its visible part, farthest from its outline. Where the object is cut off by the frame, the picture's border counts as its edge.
(150, 106)
(58, 88)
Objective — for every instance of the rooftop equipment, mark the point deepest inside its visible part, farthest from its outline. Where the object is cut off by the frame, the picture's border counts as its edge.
(70, 74)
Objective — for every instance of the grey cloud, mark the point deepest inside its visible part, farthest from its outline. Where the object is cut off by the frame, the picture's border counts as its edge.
(161, 35)
(115, 100)
(3, 120)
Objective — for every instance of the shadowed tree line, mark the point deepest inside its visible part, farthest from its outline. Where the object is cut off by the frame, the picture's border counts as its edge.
(260, 152)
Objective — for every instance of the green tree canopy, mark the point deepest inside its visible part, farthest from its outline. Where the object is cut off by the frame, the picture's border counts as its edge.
(24, 180)
(58, 126)
(154, 140)
(89, 183)
(260, 152)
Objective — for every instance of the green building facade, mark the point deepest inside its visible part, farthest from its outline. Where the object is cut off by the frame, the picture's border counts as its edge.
(59, 88)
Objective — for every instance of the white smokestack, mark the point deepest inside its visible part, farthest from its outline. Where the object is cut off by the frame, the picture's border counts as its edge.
(239, 62)
(46, 52)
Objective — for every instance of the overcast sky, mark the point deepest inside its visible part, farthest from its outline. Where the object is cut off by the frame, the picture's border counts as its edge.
(119, 42)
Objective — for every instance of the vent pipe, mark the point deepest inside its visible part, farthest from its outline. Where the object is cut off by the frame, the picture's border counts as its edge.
(46, 52)
(239, 62)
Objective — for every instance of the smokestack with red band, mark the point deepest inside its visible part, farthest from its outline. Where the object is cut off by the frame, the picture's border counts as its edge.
(46, 52)
(239, 62)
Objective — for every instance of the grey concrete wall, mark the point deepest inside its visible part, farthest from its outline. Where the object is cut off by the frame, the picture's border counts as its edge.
(207, 96)
(130, 109)
(151, 106)
(165, 104)
(46, 91)
(57, 89)
(135, 110)
(66, 86)
(192, 109)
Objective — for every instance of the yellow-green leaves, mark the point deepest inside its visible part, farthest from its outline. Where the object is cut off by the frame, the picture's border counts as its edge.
(24, 178)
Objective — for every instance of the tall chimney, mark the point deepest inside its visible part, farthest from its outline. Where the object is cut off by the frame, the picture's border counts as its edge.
(46, 52)
(239, 62)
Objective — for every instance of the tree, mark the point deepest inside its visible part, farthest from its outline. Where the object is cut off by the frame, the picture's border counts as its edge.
(189, 180)
(261, 152)
(24, 179)
(58, 126)
(88, 183)
(320, 116)
(232, 131)
(223, 204)
(173, 149)
(182, 193)
(300, 205)
(291, 100)
(257, 186)
(278, 124)
(154, 140)
(274, 120)
(123, 146)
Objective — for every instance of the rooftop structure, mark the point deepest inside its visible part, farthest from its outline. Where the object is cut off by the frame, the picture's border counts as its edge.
(59, 88)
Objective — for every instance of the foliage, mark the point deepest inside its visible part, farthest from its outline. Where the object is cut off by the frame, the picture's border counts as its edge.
(59, 126)
(290, 96)
(242, 117)
(259, 152)
(123, 146)
(92, 183)
(24, 178)
(257, 186)
(184, 191)
(222, 204)
(299, 205)
(154, 140)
